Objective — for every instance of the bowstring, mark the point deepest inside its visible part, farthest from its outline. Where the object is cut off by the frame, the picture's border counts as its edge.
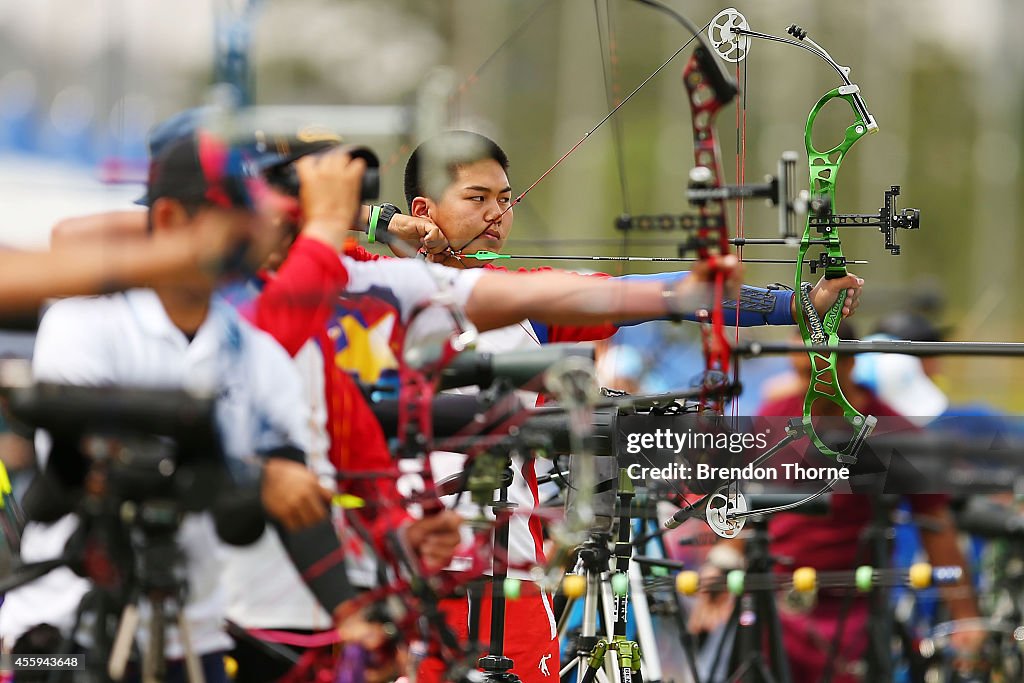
(455, 101)
(741, 178)
(607, 45)
(600, 123)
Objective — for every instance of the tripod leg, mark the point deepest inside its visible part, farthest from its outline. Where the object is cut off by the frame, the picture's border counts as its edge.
(686, 640)
(563, 616)
(569, 666)
(757, 663)
(595, 661)
(589, 674)
(608, 604)
(154, 663)
(644, 626)
(475, 597)
(729, 632)
(780, 662)
(588, 628)
(122, 648)
(600, 675)
(193, 667)
(630, 660)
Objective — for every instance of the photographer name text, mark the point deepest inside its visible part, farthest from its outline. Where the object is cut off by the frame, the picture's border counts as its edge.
(705, 472)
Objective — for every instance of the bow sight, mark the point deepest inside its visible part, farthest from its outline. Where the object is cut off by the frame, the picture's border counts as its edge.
(888, 220)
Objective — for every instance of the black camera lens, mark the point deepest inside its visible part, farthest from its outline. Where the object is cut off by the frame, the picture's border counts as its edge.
(285, 178)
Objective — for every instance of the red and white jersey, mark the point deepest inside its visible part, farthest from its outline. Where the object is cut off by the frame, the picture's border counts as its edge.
(525, 539)
(353, 331)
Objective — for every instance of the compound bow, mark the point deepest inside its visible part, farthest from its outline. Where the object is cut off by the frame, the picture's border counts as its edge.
(731, 34)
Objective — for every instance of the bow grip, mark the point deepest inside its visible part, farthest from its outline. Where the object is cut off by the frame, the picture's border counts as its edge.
(834, 315)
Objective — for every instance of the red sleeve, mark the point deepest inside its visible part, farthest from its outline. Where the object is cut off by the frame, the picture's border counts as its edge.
(295, 302)
(358, 253)
(358, 445)
(294, 307)
(580, 333)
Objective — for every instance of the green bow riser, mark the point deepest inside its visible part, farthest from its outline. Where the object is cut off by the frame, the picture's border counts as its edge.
(824, 384)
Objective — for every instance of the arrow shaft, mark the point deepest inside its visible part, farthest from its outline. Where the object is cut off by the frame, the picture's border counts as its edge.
(659, 242)
(640, 259)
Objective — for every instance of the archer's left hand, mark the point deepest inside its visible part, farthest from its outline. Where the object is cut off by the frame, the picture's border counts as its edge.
(435, 538)
(826, 292)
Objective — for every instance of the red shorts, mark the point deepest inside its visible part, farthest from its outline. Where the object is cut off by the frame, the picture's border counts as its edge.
(530, 638)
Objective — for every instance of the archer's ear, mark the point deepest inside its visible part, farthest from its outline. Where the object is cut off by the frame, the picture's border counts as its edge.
(421, 207)
(167, 213)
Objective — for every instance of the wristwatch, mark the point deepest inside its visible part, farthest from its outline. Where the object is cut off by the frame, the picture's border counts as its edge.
(380, 219)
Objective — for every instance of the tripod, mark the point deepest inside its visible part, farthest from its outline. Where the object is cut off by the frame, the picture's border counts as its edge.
(754, 617)
(492, 473)
(495, 665)
(151, 565)
(879, 537)
(160, 578)
(594, 557)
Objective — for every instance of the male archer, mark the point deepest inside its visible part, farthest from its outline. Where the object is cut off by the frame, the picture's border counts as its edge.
(459, 200)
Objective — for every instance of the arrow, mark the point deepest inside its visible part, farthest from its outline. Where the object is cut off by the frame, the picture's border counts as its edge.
(492, 256)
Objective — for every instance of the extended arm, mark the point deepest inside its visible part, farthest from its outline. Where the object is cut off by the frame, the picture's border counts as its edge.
(500, 299)
(939, 539)
(76, 231)
(761, 306)
(29, 278)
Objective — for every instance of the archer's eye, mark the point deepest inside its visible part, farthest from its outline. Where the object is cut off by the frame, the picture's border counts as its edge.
(505, 200)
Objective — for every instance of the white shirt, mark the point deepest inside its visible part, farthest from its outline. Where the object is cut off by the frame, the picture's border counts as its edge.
(265, 591)
(129, 340)
(522, 541)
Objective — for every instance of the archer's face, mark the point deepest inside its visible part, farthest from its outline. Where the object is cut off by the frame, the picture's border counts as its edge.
(468, 211)
(250, 236)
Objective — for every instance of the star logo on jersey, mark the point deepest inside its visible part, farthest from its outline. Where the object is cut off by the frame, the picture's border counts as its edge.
(363, 346)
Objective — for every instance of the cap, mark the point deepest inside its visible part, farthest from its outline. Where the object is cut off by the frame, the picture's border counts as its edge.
(181, 126)
(274, 149)
(900, 381)
(201, 169)
(260, 149)
(909, 326)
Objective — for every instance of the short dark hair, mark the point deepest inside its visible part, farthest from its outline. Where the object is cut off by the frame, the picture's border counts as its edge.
(448, 151)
